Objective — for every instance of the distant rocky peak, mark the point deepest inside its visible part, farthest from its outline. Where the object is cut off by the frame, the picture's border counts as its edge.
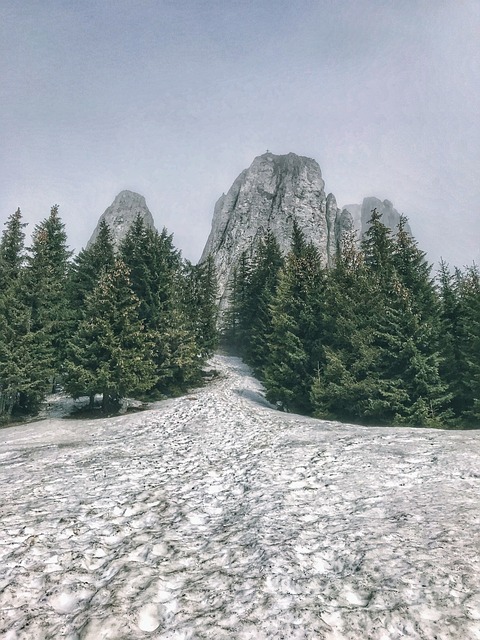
(121, 214)
(361, 214)
(390, 216)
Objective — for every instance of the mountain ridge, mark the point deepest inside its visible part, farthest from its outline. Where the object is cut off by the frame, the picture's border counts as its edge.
(270, 195)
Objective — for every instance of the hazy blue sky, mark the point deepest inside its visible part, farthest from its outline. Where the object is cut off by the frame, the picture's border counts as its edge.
(173, 98)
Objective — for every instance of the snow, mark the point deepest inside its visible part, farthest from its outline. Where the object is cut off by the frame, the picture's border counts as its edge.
(215, 516)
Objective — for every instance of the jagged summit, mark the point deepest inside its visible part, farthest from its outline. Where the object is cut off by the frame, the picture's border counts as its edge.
(361, 214)
(121, 213)
(273, 192)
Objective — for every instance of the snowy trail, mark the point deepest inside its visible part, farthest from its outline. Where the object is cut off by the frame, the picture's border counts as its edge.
(214, 516)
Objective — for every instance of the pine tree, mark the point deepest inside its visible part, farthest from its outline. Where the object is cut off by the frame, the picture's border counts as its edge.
(11, 259)
(295, 342)
(229, 316)
(87, 267)
(23, 369)
(411, 386)
(381, 354)
(177, 355)
(266, 266)
(111, 352)
(452, 337)
(154, 264)
(470, 343)
(12, 250)
(46, 288)
(157, 277)
(286, 372)
(238, 318)
(201, 290)
(419, 318)
(414, 272)
(24, 360)
(377, 249)
(346, 381)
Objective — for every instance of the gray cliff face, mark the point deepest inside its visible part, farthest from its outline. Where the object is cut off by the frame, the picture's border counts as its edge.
(269, 195)
(339, 222)
(361, 214)
(121, 214)
(355, 211)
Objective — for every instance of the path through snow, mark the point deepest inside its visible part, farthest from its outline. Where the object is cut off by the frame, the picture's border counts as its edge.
(214, 516)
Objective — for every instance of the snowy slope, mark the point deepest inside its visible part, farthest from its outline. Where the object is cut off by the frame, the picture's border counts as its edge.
(214, 516)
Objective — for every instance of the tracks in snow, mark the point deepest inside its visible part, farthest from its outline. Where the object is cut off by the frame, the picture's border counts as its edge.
(214, 516)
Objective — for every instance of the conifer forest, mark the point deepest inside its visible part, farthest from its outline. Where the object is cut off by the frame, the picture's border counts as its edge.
(137, 322)
(377, 338)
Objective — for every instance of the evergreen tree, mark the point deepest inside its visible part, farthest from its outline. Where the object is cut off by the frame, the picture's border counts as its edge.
(266, 266)
(12, 250)
(24, 359)
(452, 338)
(111, 352)
(470, 343)
(238, 318)
(229, 317)
(46, 288)
(154, 264)
(382, 363)
(23, 370)
(11, 259)
(157, 276)
(411, 388)
(286, 372)
(346, 382)
(413, 270)
(201, 304)
(377, 249)
(176, 352)
(417, 301)
(295, 343)
(87, 267)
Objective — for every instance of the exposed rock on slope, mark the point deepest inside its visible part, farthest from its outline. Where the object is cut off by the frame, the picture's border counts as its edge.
(121, 213)
(271, 194)
(355, 210)
(361, 214)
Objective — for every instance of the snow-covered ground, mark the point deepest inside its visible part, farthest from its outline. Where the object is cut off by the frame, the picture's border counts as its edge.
(214, 516)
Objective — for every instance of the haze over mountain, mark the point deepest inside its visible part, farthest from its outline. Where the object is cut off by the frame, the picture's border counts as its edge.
(272, 194)
(173, 100)
(361, 214)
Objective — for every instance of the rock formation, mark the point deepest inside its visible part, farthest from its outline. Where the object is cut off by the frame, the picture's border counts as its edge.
(361, 214)
(273, 192)
(120, 215)
(355, 211)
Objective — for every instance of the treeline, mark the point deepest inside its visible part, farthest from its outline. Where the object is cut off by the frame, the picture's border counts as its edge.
(374, 339)
(137, 321)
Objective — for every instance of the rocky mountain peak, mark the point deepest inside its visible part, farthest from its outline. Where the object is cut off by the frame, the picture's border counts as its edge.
(121, 213)
(361, 214)
(271, 194)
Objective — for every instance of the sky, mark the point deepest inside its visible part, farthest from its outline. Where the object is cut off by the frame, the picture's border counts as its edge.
(174, 98)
